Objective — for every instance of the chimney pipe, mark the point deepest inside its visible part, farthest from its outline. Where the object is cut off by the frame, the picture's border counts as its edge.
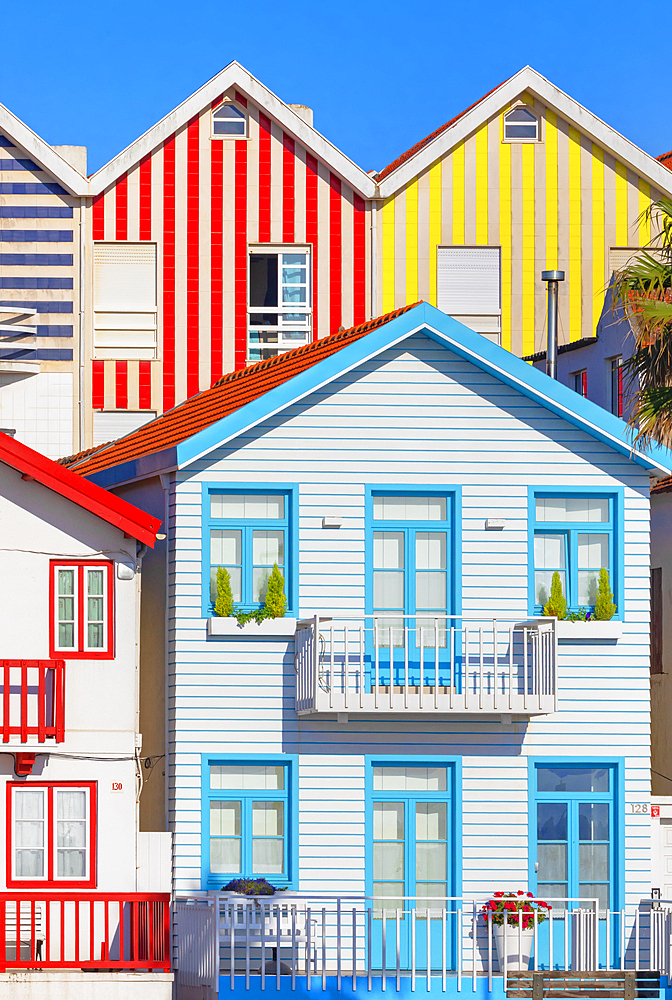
(552, 277)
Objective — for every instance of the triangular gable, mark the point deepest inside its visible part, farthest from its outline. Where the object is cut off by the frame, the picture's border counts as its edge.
(526, 80)
(42, 153)
(350, 353)
(234, 75)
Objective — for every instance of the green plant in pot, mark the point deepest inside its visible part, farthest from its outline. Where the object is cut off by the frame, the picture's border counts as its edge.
(274, 606)
(249, 886)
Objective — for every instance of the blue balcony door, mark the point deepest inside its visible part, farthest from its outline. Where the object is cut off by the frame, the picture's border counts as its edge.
(411, 577)
(412, 856)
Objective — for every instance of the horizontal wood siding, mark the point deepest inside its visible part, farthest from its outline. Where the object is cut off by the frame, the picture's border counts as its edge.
(415, 415)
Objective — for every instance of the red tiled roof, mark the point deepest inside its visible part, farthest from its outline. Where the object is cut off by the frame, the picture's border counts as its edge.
(227, 395)
(663, 485)
(423, 142)
(666, 159)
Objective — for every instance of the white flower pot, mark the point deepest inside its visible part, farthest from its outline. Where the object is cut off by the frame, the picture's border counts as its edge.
(518, 948)
(597, 631)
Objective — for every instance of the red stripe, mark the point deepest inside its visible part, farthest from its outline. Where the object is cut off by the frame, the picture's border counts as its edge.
(216, 258)
(169, 274)
(121, 385)
(264, 179)
(311, 228)
(193, 248)
(359, 262)
(98, 217)
(335, 266)
(98, 385)
(121, 209)
(145, 206)
(145, 385)
(240, 251)
(287, 189)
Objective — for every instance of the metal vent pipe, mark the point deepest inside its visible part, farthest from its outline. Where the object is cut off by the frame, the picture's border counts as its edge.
(552, 277)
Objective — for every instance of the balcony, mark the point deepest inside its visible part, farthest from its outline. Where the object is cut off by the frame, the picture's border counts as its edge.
(402, 665)
(32, 700)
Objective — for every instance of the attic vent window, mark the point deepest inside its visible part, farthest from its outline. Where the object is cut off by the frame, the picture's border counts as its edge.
(521, 123)
(229, 122)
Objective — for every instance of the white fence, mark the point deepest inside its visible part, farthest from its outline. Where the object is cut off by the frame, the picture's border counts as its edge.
(290, 937)
(398, 664)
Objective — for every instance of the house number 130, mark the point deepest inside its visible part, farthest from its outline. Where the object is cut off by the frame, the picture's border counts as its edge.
(117, 786)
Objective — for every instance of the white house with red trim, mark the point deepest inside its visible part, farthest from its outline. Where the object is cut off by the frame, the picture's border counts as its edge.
(82, 910)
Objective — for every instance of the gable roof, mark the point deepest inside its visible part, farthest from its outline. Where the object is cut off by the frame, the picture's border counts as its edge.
(235, 75)
(42, 153)
(34, 466)
(420, 157)
(228, 394)
(244, 399)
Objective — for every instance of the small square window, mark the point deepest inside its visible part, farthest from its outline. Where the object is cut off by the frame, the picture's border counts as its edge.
(229, 122)
(521, 123)
(81, 619)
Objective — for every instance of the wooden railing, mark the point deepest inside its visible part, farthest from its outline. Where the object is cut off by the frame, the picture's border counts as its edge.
(33, 699)
(56, 930)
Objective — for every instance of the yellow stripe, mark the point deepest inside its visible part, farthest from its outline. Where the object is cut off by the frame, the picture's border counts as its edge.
(388, 255)
(551, 131)
(528, 248)
(434, 226)
(412, 241)
(505, 233)
(482, 184)
(644, 202)
(598, 234)
(621, 204)
(574, 275)
(458, 195)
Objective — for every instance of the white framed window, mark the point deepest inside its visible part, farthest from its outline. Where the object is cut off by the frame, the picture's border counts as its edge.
(81, 619)
(124, 301)
(229, 121)
(51, 834)
(522, 124)
(279, 300)
(469, 287)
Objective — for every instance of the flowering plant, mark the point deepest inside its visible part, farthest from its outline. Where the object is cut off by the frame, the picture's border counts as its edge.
(512, 904)
(250, 886)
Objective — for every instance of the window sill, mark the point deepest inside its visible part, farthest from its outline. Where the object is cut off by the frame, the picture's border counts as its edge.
(270, 628)
(597, 631)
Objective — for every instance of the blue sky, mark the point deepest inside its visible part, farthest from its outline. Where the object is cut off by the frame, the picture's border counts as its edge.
(378, 76)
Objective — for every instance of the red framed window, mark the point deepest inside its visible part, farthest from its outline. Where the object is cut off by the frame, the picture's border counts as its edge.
(581, 383)
(81, 595)
(51, 834)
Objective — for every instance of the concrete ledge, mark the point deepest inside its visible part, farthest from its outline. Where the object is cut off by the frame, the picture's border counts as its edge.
(50, 984)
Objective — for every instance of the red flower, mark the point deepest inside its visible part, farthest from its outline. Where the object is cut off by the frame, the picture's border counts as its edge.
(520, 892)
(530, 895)
(498, 894)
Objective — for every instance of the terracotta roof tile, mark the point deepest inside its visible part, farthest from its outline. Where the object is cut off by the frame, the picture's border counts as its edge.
(424, 142)
(227, 395)
(666, 159)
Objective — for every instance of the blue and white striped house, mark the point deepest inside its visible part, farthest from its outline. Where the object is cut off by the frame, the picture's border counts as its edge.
(414, 728)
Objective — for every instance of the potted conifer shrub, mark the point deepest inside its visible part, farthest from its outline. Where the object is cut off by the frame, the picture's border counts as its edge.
(584, 624)
(269, 620)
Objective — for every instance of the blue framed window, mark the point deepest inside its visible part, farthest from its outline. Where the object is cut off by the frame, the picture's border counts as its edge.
(573, 534)
(247, 532)
(247, 820)
(575, 826)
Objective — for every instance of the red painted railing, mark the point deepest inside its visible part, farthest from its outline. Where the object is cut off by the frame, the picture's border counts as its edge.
(33, 699)
(75, 930)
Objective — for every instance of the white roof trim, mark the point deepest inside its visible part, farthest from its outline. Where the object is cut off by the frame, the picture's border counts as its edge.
(234, 75)
(528, 79)
(43, 154)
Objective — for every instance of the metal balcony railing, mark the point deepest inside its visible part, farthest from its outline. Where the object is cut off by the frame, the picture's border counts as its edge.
(378, 664)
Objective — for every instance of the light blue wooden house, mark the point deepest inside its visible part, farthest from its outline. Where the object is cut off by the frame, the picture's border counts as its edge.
(415, 728)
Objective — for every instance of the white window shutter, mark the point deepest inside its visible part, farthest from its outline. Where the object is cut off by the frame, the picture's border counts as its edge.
(124, 277)
(108, 425)
(468, 281)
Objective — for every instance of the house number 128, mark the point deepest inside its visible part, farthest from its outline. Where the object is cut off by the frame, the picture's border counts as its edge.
(639, 807)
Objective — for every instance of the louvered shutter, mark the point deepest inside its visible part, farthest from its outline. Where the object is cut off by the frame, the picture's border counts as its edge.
(112, 424)
(469, 287)
(125, 300)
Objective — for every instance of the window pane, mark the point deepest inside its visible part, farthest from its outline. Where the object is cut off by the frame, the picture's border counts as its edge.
(430, 550)
(66, 636)
(587, 592)
(71, 834)
(263, 279)
(225, 547)
(430, 591)
(409, 508)
(388, 861)
(234, 505)
(260, 577)
(555, 891)
(388, 820)
(577, 509)
(388, 550)
(71, 864)
(573, 779)
(552, 859)
(430, 821)
(593, 551)
(413, 779)
(549, 551)
(247, 776)
(592, 890)
(29, 864)
(95, 637)
(70, 804)
(293, 293)
(293, 275)
(430, 862)
(542, 584)
(267, 857)
(268, 547)
(593, 821)
(29, 833)
(95, 585)
(225, 856)
(521, 131)
(428, 897)
(225, 819)
(294, 258)
(267, 819)
(388, 591)
(28, 805)
(594, 862)
(394, 891)
(520, 114)
(229, 128)
(234, 579)
(66, 581)
(94, 609)
(552, 821)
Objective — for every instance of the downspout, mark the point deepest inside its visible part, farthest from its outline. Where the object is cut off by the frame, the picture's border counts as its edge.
(140, 551)
(81, 415)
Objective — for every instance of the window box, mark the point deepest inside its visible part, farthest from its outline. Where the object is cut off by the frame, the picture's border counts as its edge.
(598, 631)
(270, 628)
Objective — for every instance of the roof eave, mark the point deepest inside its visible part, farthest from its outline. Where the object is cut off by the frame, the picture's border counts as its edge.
(157, 463)
(44, 154)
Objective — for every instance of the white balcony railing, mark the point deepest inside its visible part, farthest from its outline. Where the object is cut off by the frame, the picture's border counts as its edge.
(404, 664)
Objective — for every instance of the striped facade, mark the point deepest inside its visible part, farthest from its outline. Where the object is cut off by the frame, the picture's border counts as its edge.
(562, 202)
